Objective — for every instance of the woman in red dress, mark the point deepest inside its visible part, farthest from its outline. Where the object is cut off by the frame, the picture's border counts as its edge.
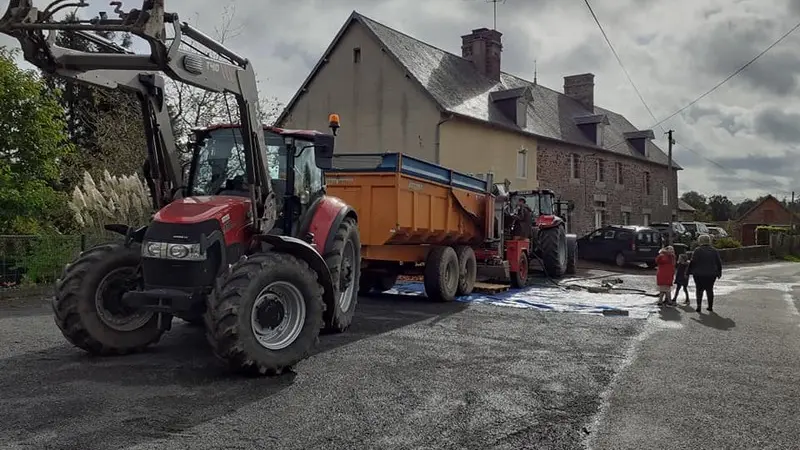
(665, 275)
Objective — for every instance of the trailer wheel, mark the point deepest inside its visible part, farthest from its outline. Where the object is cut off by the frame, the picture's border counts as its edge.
(552, 244)
(467, 270)
(266, 315)
(441, 274)
(88, 308)
(519, 279)
(344, 262)
(572, 255)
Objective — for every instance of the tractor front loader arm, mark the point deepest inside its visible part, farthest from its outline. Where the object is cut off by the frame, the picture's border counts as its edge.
(224, 72)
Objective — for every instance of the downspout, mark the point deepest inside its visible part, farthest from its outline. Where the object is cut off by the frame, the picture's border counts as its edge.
(437, 143)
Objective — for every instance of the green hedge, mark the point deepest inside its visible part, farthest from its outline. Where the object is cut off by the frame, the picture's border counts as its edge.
(727, 242)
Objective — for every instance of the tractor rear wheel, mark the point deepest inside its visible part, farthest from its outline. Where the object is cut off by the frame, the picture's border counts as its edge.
(88, 302)
(552, 245)
(266, 315)
(441, 274)
(572, 255)
(344, 262)
(467, 270)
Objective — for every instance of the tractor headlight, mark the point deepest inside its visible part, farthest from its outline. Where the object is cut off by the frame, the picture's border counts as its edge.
(165, 250)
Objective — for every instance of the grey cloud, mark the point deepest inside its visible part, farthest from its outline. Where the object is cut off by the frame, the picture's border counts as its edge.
(782, 165)
(731, 122)
(726, 46)
(778, 125)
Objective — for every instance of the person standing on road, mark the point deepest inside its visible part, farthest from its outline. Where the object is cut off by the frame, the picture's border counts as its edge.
(705, 268)
(682, 278)
(665, 275)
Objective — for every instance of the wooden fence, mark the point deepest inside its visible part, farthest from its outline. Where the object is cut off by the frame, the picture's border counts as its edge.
(783, 245)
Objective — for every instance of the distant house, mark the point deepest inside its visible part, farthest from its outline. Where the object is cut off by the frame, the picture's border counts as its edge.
(686, 212)
(395, 93)
(769, 211)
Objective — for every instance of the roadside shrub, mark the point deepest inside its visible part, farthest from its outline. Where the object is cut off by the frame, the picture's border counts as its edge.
(727, 243)
(45, 257)
(116, 199)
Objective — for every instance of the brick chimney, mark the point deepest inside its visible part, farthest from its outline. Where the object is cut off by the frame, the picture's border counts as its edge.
(581, 88)
(483, 47)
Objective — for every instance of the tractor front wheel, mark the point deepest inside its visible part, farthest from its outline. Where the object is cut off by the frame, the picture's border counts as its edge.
(552, 245)
(266, 314)
(88, 304)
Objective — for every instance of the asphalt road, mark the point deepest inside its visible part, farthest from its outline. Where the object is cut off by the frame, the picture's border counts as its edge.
(408, 374)
(723, 380)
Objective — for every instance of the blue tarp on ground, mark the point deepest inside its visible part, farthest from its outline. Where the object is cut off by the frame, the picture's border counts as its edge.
(547, 297)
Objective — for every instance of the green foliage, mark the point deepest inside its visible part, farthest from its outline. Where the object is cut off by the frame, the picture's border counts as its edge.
(792, 258)
(727, 243)
(32, 144)
(720, 208)
(43, 257)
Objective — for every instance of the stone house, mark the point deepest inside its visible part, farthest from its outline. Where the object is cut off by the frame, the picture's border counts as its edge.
(395, 93)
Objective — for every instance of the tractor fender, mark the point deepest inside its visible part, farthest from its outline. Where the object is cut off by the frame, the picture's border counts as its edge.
(572, 238)
(325, 219)
(549, 221)
(306, 252)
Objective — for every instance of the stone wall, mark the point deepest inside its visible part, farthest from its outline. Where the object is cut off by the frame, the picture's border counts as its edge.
(617, 201)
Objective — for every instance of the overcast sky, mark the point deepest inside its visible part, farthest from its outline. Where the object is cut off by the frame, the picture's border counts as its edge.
(674, 50)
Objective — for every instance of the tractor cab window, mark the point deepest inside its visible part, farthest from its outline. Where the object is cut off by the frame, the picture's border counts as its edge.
(540, 204)
(221, 165)
(307, 176)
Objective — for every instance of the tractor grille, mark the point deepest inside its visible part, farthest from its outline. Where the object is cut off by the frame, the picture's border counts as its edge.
(190, 275)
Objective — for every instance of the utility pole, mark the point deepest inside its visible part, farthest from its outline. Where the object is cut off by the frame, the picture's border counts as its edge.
(791, 213)
(669, 189)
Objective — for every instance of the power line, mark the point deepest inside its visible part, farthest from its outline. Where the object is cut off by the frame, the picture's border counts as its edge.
(733, 171)
(659, 123)
(739, 70)
(619, 60)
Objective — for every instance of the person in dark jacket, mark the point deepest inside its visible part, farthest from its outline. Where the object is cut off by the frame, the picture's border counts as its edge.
(682, 278)
(705, 268)
(524, 217)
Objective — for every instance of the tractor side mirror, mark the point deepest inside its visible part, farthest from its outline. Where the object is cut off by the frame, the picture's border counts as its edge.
(323, 151)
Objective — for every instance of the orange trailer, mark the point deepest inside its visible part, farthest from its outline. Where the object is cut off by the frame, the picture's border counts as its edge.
(418, 217)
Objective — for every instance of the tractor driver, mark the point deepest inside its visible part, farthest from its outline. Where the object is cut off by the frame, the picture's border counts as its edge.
(524, 217)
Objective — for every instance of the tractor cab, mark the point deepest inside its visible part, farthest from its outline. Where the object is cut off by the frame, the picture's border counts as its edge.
(296, 160)
(542, 203)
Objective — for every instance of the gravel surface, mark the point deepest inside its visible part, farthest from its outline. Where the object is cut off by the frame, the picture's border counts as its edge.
(408, 374)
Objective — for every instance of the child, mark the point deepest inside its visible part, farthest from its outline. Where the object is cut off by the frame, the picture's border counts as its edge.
(682, 278)
(665, 274)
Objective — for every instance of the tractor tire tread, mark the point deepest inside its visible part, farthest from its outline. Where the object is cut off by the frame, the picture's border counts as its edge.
(224, 310)
(467, 266)
(549, 244)
(69, 290)
(337, 321)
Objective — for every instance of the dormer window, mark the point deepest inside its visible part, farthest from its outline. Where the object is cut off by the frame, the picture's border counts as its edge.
(513, 103)
(592, 127)
(639, 139)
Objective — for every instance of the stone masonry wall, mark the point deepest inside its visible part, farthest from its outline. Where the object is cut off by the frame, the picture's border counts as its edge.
(613, 199)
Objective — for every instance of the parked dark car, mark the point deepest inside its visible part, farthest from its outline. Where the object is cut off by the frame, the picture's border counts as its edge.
(679, 232)
(621, 244)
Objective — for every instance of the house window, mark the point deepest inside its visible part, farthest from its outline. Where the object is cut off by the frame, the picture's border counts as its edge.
(601, 170)
(646, 220)
(522, 163)
(356, 55)
(599, 218)
(665, 196)
(647, 183)
(599, 135)
(575, 165)
(619, 173)
(626, 218)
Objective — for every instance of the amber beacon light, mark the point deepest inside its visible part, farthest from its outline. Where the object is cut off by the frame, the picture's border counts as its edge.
(333, 121)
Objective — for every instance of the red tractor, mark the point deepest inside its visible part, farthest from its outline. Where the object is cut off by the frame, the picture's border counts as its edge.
(550, 243)
(250, 244)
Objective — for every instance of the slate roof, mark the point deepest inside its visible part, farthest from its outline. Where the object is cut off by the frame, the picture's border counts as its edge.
(457, 87)
(683, 206)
